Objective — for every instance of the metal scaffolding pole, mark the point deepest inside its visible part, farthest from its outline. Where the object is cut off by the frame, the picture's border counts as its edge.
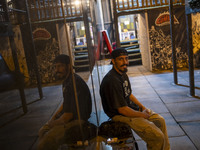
(190, 54)
(173, 41)
(116, 24)
(90, 47)
(20, 82)
(33, 51)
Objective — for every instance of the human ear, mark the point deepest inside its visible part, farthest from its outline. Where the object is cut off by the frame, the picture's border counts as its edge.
(113, 61)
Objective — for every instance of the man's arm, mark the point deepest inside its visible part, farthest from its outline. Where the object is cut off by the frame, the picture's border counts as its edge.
(57, 112)
(142, 107)
(129, 112)
(63, 119)
(135, 100)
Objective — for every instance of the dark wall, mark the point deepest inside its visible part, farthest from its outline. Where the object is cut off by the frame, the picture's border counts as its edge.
(160, 38)
(196, 38)
(46, 48)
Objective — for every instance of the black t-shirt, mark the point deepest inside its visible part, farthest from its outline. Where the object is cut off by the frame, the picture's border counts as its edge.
(83, 94)
(115, 90)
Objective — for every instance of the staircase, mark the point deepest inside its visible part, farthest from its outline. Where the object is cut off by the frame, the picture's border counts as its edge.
(133, 49)
(81, 60)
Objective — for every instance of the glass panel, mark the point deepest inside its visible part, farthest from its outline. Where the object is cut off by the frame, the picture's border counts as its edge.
(68, 110)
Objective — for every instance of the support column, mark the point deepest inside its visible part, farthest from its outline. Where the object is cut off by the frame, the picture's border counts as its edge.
(173, 41)
(190, 53)
(20, 81)
(32, 50)
(116, 24)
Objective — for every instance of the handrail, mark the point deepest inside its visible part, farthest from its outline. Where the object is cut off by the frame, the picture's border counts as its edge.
(122, 5)
(49, 9)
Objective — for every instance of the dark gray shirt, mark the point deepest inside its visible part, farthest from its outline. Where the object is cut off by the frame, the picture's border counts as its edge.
(115, 90)
(83, 94)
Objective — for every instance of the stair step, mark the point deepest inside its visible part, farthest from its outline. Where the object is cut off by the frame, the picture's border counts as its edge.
(80, 51)
(134, 54)
(82, 60)
(133, 50)
(81, 56)
(129, 41)
(81, 47)
(132, 47)
(129, 45)
(81, 66)
(136, 59)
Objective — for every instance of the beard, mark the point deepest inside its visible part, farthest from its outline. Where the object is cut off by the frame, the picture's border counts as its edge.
(59, 76)
(124, 70)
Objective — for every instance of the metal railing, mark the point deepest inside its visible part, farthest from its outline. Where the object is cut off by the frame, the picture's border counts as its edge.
(138, 4)
(52, 9)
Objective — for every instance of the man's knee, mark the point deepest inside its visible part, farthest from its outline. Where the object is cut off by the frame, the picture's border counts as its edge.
(154, 134)
(156, 141)
(43, 130)
(159, 137)
(51, 140)
(160, 122)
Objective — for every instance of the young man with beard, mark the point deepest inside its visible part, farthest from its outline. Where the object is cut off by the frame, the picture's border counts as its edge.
(121, 105)
(51, 135)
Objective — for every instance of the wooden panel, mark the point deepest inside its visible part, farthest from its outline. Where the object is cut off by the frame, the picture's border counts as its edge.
(118, 8)
(123, 4)
(35, 11)
(52, 9)
(49, 9)
(135, 4)
(151, 4)
(44, 9)
(39, 9)
(128, 4)
(132, 4)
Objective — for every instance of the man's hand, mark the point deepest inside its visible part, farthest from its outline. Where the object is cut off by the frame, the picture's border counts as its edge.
(43, 130)
(129, 112)
(148, 111)
(51, 123)
(146, 114)
(63, 119)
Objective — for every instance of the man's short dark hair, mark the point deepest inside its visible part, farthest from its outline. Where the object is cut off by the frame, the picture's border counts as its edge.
(62, 58)
(119, 52)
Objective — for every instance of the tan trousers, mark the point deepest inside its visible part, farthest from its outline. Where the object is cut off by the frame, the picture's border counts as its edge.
(153, 130)
(52, 138)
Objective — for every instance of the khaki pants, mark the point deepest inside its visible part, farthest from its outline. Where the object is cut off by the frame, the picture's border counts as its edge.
(52, 138)
(153, 130)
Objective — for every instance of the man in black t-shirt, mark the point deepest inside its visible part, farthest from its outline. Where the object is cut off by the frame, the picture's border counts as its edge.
(51, 135)
(121, 105)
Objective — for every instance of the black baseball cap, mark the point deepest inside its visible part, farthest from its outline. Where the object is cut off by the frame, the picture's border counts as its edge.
(62, 58)
(118, 52)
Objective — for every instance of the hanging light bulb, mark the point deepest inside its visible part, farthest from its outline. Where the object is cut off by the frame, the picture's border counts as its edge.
(77, 2)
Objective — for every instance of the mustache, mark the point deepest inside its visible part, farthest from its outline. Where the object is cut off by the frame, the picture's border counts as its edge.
(58, 73)
(124, 65)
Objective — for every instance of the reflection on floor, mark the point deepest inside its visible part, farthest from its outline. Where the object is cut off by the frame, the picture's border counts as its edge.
(154, 90)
